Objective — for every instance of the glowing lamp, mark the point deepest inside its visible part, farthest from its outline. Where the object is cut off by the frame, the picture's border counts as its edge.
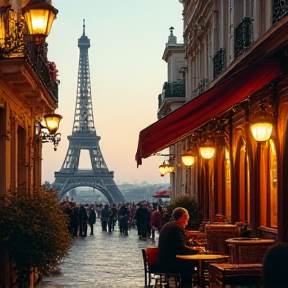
(52, 122)
(188, 157)
(261, 126)
(207, 149)
(165, 168)
(39, 16)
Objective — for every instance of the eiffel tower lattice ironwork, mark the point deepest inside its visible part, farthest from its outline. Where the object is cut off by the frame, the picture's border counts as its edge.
(84, 137)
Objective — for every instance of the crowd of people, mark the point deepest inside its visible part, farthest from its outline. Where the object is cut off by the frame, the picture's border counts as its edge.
(144, 216)
(148, 218)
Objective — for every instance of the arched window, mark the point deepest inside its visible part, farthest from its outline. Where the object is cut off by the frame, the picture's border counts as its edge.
(227, 172)
(268, 185)
(273, 199)
(242, 183)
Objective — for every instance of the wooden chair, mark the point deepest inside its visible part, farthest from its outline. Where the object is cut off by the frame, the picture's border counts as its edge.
(216, 236)
(152, 270)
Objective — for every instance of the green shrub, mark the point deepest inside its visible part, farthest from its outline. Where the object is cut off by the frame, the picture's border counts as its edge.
(34, 231)
(192, 207)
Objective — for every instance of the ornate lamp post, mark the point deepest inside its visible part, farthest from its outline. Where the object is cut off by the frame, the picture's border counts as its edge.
(52, 124)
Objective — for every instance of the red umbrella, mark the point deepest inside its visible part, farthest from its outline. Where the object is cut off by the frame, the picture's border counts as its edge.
(162, 194)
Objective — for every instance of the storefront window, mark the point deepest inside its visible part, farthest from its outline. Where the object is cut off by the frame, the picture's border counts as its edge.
(273, 184)
(244, 186)
(268, 185)
(263, 184)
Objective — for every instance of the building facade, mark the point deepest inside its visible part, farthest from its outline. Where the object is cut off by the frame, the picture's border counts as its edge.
(28, 91)
(235, 79)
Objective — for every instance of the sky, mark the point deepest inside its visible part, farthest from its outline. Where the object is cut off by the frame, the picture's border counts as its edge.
(127, 39)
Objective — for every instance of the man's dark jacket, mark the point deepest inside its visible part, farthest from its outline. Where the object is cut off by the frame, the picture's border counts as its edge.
(172, 242)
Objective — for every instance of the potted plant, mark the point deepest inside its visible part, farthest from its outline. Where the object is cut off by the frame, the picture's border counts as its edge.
(192, 207)
(34, 233)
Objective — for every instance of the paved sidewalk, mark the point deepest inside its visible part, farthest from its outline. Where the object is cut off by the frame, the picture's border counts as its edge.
(102, 260)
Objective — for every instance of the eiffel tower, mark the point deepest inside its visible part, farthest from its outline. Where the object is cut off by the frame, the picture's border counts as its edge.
(84, 137)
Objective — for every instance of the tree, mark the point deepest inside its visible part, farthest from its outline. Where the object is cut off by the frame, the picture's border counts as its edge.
(34, 232)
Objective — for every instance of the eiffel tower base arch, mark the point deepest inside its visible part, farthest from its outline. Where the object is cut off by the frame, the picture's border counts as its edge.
(105, 185)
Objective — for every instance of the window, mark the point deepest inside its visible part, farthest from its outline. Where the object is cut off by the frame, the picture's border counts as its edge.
(243, 183)
(227, 172)
(268, 185)
(273, 199)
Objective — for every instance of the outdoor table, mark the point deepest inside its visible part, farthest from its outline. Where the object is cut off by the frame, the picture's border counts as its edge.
(244, 250)
(234, 274)
(202, 258)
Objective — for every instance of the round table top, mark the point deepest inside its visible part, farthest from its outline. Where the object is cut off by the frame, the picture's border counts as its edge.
(246, 240)
(202, 257)
(219, 225)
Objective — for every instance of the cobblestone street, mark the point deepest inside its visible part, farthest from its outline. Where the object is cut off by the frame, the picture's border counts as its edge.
(102, 260)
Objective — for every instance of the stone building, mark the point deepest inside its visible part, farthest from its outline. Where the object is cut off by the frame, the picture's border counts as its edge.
(28, 94)
(234, 120)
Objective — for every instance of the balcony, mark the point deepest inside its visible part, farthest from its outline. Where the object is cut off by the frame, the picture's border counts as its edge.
(243, 36)
(202, 86)
(172, 97)
(219, 63)
(24, 65)
(280, 8)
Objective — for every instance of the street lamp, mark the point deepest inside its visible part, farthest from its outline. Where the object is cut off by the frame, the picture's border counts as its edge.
(52, 122)
(39, 16)
(166, 168)
(48, 133)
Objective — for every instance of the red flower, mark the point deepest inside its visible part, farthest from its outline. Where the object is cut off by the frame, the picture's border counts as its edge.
(53, 70)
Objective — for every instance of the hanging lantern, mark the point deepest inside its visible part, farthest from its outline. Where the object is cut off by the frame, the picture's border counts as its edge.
(207, 149)
(188, 157)
(261, 126)
(166, 168)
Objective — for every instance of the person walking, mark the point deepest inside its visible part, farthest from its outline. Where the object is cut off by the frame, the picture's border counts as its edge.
(123, 218)
(98, 210)
(156, 220)
(92, 220)
(132, 210)
(83, 219)
(105, 215)
(142, 217)
(75, 220)
(112, 218)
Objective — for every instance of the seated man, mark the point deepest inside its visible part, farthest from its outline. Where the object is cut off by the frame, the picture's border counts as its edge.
(172, 242)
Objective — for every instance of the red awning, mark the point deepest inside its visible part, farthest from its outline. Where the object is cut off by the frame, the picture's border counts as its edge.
(206, 106)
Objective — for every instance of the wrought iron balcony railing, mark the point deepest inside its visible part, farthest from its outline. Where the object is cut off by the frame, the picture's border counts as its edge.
(14, 44)
(171, 90)
(243, 36)
(280, 8)
(202, 87)
(219, 63)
